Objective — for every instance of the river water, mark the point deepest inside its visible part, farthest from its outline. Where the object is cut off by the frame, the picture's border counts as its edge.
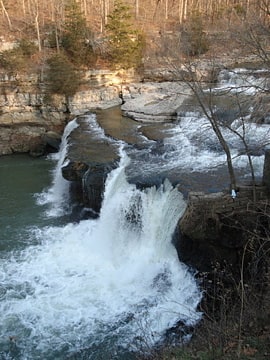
(107, 288)
(21, 177)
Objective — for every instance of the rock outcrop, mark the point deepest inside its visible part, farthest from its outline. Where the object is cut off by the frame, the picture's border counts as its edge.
(25, 118)
(101, 98)
(154, 102)
(215, 227)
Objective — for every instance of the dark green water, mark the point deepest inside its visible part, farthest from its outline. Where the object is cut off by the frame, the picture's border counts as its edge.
(21, 178)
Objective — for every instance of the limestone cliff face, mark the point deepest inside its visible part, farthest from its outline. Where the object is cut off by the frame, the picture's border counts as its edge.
(26, 117)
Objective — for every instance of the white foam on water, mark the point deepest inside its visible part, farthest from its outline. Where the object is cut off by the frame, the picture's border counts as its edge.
(255, 134)
(94, 128)
(117, 277)
(195, 146)
(192, 146)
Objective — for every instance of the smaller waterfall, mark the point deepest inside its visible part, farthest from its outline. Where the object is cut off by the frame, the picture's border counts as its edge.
(57, 196)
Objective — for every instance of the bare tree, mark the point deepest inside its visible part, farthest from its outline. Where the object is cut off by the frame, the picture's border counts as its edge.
(190, 72)
(58, 11)
(104, 13)
(6, 14)
(207, 106)
(183, 8)
(36, 20)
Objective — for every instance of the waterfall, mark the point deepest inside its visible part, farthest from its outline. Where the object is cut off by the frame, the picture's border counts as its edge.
(241, 80)
(57, 196)
(102, 287)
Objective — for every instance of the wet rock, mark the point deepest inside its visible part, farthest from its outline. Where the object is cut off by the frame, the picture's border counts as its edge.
(25, 139)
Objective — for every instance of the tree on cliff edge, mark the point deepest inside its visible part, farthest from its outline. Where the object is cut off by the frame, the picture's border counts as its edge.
(76, 36)
(125, 44)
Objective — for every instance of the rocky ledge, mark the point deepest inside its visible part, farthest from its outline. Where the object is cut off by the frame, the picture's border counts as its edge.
(26, 120)
(154, 102)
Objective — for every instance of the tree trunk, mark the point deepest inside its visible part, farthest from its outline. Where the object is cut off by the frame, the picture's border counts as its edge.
(23, 6)
(166, 9)
(208, 112)
(104, 13)
(6, 14)
(136, 9)
(37, 24)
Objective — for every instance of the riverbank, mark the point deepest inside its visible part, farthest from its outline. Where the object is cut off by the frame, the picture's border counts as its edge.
(235, 325)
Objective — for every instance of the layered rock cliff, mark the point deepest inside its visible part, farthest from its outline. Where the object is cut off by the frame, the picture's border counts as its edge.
(24, 117)
(27, 118)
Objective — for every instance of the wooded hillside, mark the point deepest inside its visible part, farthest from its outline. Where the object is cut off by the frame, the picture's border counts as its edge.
(18, 15)
(39, 16)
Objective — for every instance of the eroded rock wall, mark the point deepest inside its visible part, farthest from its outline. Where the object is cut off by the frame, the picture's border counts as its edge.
(25, 117)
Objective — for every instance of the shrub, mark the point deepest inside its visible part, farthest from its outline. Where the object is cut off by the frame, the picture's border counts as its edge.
(61, 76)
(27, 48)
(17, 59)
(126, 44)
(194, 40)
